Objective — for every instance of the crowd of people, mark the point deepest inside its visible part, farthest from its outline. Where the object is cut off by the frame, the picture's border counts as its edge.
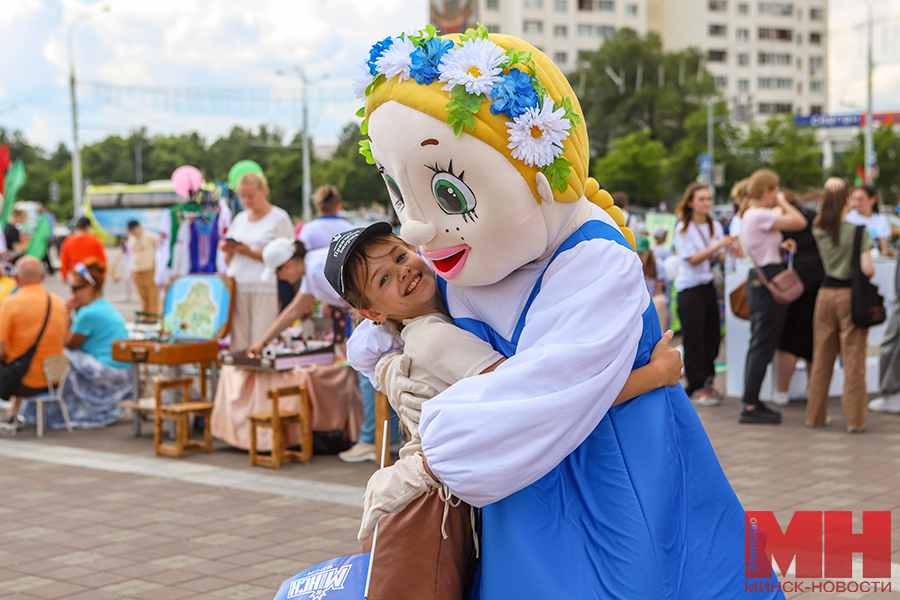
(774, 230)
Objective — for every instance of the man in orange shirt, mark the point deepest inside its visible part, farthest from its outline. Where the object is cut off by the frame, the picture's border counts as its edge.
(79, 246)
(21, 318)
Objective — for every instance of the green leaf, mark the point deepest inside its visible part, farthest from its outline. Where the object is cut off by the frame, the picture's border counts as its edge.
(480, 33)
(569, 107)
(558, 173)
(375, 80)
(364, 127)
(539, 89)
(366, 150)
(361, 112)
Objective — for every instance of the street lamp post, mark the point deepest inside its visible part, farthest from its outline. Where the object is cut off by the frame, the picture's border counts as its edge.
(869, 158)
(77, 179)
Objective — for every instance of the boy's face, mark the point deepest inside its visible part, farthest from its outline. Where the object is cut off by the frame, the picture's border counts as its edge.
(400, 284)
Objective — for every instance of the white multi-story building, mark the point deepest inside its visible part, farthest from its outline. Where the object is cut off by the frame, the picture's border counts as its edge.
(768, 57)
(559, 28)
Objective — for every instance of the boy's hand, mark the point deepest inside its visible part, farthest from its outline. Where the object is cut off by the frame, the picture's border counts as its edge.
(666, 361)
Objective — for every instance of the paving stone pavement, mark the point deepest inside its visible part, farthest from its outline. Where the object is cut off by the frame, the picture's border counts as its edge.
(94, 515)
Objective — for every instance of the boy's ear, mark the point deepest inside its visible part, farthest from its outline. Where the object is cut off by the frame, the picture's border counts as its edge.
(373, 315)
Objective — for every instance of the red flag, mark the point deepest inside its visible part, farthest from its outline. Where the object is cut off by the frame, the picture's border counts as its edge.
(4, 163)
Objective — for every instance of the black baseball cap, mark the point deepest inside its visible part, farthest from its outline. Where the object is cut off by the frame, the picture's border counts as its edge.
(342, 247)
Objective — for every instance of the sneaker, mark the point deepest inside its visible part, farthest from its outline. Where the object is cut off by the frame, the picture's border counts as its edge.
(358, 452)
(702, 397)
(713, 390)
(780, 399)
(761, 414)
(8, 427)
(888, 404)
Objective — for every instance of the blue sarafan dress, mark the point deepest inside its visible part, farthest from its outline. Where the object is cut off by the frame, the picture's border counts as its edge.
(581, 500)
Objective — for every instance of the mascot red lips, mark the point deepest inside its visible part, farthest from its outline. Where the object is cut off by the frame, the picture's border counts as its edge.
(447, 262)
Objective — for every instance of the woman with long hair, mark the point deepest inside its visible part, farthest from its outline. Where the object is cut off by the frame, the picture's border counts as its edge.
(864, 211)
(699, 243)
(655, 276)
(766, 216)
(833, 325)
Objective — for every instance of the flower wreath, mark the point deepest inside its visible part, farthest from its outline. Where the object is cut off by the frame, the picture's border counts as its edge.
(478, 70)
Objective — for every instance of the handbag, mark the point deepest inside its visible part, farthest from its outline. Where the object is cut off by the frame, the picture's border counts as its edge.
(738, 297)
(11, 373)
(413, 560)
(866, 304)
(784, 287)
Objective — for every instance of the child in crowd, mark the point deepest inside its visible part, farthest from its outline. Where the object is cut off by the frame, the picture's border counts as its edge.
(383, 279)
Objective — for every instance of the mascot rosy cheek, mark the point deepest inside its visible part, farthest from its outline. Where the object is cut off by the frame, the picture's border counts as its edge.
(496, 189)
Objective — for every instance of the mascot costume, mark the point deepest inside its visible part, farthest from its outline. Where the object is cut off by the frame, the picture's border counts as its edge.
(482, 145)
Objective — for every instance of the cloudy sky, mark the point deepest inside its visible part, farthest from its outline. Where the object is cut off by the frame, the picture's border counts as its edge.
(135, 62)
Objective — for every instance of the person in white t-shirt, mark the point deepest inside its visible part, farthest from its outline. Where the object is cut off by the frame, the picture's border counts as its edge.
(699, 244)
(318, 232)
(256, 303)
(864, 199)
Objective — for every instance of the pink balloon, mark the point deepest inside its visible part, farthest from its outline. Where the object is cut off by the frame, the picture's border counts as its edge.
(187, 180)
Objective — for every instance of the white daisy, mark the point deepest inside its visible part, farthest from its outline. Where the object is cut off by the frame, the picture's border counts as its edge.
(475, 64)
(396, 59)
(536, 136)
(362, 82)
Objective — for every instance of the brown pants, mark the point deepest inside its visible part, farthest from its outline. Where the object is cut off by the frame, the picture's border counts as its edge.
(146, 288)
(833, 328)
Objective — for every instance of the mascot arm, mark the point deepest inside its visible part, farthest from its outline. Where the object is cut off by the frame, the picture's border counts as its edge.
(489, 436)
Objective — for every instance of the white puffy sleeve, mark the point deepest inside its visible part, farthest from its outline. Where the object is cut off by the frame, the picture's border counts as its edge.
(489, 436)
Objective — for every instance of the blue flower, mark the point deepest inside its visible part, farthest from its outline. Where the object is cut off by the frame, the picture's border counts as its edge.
(426, 58)
(515, 95)
(376, 52)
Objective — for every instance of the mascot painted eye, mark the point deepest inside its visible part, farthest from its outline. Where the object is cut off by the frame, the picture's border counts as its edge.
(393, 189)
(452, 194)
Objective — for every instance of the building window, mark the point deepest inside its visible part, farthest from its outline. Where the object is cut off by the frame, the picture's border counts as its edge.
(772, 58)
(716, 55)
(560, 5)
(533, 27)
(631, 10)
(743, 60)
(743, 9)
(776, 8)
(799, 38)
(816, 14)
(492, 4)
(778, 108)
(816, 86)
(721, 82)
(717, 30)
(533, 3)
(718, 5)
(743, 85)
(743, 34)
(815, 109)
(815, 38)
(493, 28)
(560, 31)
(560, 58)
(600, 31)
(597, 5)
(768, 33)
(775, 83)
(815, 64)
(799, 88)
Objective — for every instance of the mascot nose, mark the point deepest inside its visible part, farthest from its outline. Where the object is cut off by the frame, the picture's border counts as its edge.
(417, 233)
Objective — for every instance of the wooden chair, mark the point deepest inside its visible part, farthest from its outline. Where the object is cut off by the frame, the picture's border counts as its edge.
(275, 420)
(180, 412)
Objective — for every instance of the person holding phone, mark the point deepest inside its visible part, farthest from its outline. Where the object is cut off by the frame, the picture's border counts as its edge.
(256, 302)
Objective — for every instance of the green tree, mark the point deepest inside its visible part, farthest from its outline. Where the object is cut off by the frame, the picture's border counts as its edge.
(634, 165)
(360, 183)
(683, 166)
(612, 112)
(887, 153)
(786, 149)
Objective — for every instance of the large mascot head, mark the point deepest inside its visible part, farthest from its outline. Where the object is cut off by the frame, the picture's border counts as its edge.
(483, 147)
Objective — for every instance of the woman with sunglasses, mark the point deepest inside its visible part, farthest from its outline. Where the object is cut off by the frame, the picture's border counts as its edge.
(96, 382)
